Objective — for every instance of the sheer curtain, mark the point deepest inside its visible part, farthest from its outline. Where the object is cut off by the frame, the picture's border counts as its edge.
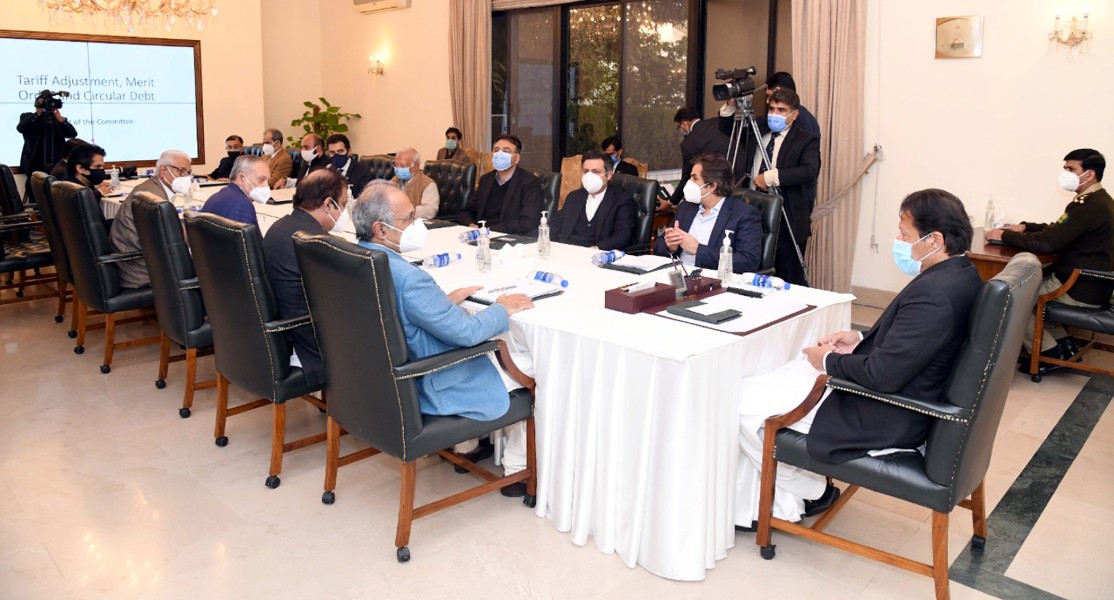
(829, 51)
(470, 69)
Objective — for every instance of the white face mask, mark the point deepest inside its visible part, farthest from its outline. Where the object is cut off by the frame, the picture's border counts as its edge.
(591, 182)
(413, 237)
(259, 194)
(692, 192)
(268, 149)
(1068, 181)
(309, 155)
(181, 185)
(341, 225)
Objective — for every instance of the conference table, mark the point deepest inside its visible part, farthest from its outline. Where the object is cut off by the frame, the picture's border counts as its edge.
(989, 259)
(636, 414)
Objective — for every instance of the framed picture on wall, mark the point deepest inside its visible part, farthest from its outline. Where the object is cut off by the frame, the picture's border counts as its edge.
(959, 37)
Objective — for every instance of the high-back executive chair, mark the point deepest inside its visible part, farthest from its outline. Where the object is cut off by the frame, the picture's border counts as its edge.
(769, 210)
(645, 194)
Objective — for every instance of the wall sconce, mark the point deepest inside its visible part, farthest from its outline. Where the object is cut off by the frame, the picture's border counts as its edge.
(1077, 35)
(376, 67)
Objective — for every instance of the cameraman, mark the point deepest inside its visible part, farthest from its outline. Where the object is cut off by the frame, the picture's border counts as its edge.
(44, 133)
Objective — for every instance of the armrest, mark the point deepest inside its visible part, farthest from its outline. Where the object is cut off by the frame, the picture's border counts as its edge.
(118, 257)
(503, 354)
(444, 360)
(22, 217)
(285, 324)
(936, 410)
(10, 227)
(189, 284)
(1095, 273)
(776, 422)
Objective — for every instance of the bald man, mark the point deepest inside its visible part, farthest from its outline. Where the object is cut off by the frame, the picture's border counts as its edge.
(420, 189)
(313, 155)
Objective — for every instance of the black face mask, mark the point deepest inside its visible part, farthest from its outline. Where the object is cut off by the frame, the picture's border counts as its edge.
(234, 153)
(96, 176)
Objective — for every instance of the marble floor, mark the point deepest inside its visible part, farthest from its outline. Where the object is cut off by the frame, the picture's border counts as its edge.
(106, 493)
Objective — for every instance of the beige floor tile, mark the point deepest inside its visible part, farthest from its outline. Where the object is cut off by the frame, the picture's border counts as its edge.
(1066, 554)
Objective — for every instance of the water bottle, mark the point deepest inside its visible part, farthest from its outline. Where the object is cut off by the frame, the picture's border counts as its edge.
(483, 248)
(467, 237)
(989, 224)
(764, 281)
(543, 236)
(605, 258)
(114, 177)
(726, 258)
(555, 279)
(441, 260)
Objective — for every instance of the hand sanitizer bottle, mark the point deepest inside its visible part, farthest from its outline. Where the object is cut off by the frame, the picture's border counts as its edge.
(726, 259)
(543, 236)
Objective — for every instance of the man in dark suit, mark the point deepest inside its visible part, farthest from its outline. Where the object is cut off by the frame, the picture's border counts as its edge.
(613, 147)
(314, 156)
(319, 202)
(509, 199)
(700, 137)
(355, 172)
(44, 134)
(783, 80)
(234, 146)
(59, 170)
(596, 215)
(709, 211)
(909, 351)
(795, 157)
(247, 184)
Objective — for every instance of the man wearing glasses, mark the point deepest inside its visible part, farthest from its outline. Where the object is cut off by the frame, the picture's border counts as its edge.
(173, 174)
(508, 198)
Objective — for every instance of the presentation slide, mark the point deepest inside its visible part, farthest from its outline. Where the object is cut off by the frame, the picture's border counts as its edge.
(134, 100)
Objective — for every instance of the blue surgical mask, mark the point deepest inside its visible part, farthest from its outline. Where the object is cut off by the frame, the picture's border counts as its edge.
(776, 123)
(501, 160)
(903, 256)
(403, 173)
(450, 145)
(339, 160)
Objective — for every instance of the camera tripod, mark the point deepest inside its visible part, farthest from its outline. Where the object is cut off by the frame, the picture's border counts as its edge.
(744, 111)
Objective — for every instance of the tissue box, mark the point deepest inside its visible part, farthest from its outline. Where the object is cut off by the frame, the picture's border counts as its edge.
(619, 299)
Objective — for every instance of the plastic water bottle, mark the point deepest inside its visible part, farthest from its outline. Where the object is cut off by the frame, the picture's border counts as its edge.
(555, 279)
(989, 224)
(467, 237)
(483, 248)
(543, 236)
(726, 258)
(434, 261)
(605, 258)
(764, 281)
(114, 177)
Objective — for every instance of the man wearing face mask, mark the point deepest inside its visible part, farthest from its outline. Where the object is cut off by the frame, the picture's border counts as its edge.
(278, 159)
(509, 199)
(341, 160)
(794, 168)
(613, 148)
(1082, 238)
(319, 207)
(707, 214)
(453, 149)
(595, 215)
(420, 189)
(247, 185)
(234, 147)
(700, 137)
(314, 156)
(86, 167)
(909, 351)
(173, 175)
(385, 220)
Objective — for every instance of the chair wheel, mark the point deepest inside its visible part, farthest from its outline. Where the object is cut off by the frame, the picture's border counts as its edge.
(72, 334)
(273, 481)
(160, 383)
(978, 543)
(459, 469)
(185, 414)
(1035, 378)
(79, 349)
(767, 552)
(403, 554)
(530, 501)
(58, 318)
(105, 369)
(19, 294)
(222, 441)
(328, 498)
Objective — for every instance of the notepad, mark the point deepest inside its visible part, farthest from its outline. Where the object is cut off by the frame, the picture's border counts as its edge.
(640, 264)
(536, 290)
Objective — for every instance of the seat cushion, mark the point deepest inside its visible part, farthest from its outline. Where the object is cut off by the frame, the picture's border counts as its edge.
(18, 261)
(900, 475)
(202, 337)
(293, 386)
(1092, 319)
(130, 299)
(440, 432)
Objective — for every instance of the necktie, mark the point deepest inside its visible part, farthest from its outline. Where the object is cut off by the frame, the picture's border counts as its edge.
(769, 152)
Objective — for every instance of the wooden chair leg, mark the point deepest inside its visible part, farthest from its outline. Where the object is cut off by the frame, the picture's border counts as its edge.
(531, 463)
(60, 312)
(109, 341)
(82, 316)
(332, 459)
(222, 410)
(405, 511)
(766, 499)
(278, 436)
(940, 554)
(164, 360)
(22, 283)
(978, 516)
(191, 381)
(75, 318)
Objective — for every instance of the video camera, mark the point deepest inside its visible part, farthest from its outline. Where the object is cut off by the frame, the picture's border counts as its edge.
(739, 84)
(50, 101)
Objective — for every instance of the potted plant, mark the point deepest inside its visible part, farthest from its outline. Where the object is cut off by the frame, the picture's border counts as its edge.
(323, 119)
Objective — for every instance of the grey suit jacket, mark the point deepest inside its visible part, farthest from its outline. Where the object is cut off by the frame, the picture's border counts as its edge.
(123, 236)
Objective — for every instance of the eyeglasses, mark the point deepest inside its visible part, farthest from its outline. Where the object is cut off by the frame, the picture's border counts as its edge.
(180, 171)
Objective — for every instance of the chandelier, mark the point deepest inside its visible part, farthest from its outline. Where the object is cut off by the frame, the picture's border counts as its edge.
(135, 13)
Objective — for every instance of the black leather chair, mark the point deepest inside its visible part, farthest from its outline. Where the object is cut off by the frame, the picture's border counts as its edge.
(551, 189)
(11, 205)
(381, 166)
(1095, 320)
(248, 337)
(253, 150)
(18, 257)
(376, 397)
(960, 440)
(455, 183)
(645, 194)
(769, 208)
(40, 190)
(177, 292)
(94, 268)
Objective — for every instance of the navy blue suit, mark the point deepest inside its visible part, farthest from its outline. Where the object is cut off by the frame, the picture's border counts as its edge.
(232, 203)
(735, 215)
(611, 228)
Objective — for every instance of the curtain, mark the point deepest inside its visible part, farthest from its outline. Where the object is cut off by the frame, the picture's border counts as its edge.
(470, 69)
(509, 4)
(829, 55)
